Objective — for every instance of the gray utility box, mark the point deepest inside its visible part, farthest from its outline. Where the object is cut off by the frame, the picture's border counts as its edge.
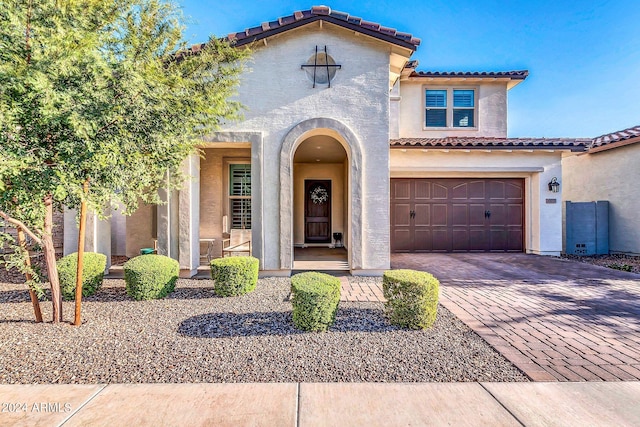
(587, 228)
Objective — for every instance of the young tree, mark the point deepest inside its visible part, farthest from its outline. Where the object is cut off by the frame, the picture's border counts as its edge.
(102, 95)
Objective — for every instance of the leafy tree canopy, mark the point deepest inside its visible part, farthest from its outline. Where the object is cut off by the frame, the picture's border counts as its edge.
(94, 89)
(105, 91)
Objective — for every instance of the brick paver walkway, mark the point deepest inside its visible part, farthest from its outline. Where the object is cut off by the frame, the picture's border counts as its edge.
(355, 289)
(554, 319)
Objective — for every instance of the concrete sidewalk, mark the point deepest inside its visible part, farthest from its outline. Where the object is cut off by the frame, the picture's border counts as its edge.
(326, 404)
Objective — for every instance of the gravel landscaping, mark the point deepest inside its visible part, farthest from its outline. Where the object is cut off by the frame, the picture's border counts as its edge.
(194, 336)
(616, 261)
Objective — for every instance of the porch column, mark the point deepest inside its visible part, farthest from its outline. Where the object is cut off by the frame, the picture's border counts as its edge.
(189, 218)
(97, 235)
(168, 222)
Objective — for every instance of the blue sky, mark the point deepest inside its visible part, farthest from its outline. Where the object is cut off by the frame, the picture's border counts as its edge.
(583, 57)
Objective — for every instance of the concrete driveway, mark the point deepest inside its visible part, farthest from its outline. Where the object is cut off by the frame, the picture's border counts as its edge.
(554, 319)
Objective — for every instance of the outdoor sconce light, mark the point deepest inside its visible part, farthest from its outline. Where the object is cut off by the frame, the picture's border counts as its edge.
(554, 185)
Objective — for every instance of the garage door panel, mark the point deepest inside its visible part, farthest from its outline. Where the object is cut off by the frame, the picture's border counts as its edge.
(401, 214)
(460, 215)
(476, 214)
(496, 190)
(514, 215)
(515, 238)
(477, 240)
(498, 239)
(477, 190)
(460, 191)
(423, 215)
(422, 190)
(498, 214)
(402, 241)
(514, 191)
(422, 240)
(460, 240)
(441, 240)
(401, 189)
(440, 192)
(448, 214)
(439, 217)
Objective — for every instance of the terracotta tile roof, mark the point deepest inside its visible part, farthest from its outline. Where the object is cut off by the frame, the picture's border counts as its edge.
(573, 144)
(324, 13)
(515, 75)
(619, 136)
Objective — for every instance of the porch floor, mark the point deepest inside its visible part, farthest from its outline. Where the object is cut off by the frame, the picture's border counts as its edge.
(305, 259)
(322, 259)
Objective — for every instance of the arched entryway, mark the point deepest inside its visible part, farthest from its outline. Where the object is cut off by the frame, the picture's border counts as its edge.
(320, 204)
(320, 178)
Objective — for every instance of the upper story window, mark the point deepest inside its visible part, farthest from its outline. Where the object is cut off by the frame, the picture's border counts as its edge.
(450, 108)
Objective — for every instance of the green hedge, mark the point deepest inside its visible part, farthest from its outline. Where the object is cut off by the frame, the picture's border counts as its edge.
(315, 298)
(412, 298)
(93, 266)
(150, 276)
(234, 275)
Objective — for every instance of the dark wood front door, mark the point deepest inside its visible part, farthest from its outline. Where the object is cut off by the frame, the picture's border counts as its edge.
(317, 211)
(457, 215)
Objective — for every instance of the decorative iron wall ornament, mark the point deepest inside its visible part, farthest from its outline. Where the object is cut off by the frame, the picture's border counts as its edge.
(319, 195)
(321, 68)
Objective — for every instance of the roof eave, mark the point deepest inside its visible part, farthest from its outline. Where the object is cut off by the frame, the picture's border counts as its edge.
(572, 148)
(357, 28)
(613, 145)
(512, 80)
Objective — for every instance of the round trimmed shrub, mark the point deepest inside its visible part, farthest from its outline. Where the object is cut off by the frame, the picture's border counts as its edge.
(150, 276)
(233, 276)
(315, 298)
(93, 267)
(412, 298)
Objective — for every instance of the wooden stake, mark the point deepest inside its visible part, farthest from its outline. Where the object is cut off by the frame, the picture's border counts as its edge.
(34, 298)
(81, 232)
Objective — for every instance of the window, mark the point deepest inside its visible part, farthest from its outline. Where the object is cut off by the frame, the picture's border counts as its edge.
(450, 108)
(436, 108)
(463, 104)
(240, 196)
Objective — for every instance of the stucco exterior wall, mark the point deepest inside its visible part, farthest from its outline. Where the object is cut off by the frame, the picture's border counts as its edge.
(327, 171)
(610, 175)
(543, 209)
(118, 232)
(279, 96)
(139, 230)
(491, 111)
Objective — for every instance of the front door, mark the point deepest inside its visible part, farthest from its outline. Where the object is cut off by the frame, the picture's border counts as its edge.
(317, 211)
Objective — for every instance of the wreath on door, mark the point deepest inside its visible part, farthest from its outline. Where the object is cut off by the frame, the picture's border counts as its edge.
(319, 195)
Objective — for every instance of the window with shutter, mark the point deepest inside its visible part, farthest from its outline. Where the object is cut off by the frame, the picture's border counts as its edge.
(446, 108)
(240, 196)
(463, 108)
(436, 104)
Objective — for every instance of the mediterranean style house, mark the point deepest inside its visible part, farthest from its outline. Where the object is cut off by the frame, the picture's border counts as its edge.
(346, 143)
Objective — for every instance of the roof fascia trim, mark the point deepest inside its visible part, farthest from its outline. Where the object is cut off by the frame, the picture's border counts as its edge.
(330, 19)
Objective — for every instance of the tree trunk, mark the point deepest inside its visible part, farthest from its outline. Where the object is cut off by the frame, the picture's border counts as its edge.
(82, 227)
(34, 298)
(50, 259)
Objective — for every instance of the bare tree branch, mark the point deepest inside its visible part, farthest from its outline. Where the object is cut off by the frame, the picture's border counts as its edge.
(21, 225)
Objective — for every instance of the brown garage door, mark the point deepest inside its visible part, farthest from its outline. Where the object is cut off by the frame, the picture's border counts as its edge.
(457, 215)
